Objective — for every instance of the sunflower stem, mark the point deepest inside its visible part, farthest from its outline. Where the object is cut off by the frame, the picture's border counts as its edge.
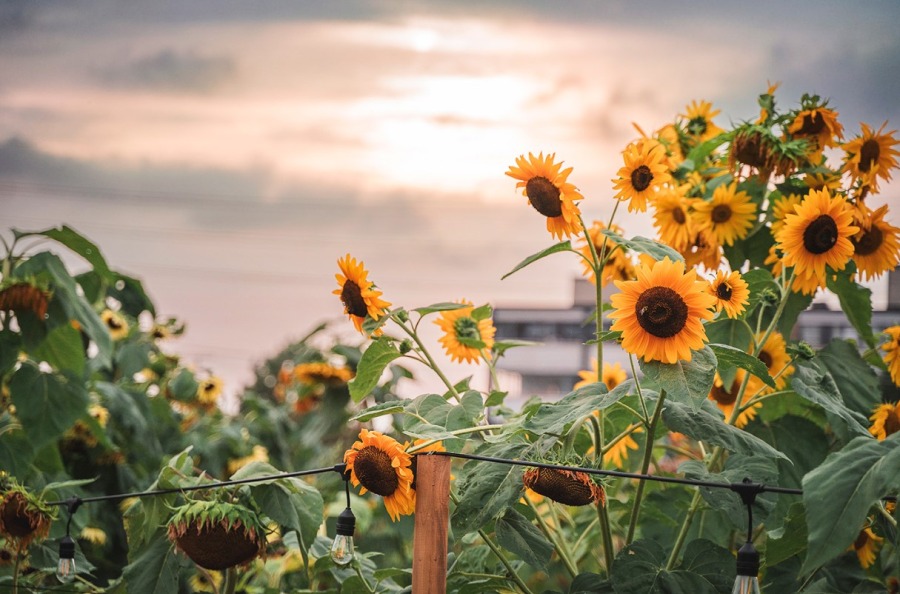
(431, 363)
(557, 545)
(602, 512)
(362, 578)
(645, 466)
(637, 385)
(230, 581)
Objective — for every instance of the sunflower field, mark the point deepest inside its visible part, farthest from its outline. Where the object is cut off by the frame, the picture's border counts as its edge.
(723, 433)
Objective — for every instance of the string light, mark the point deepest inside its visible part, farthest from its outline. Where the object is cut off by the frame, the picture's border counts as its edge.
(65, 568)
(747, 579)
(342, 548)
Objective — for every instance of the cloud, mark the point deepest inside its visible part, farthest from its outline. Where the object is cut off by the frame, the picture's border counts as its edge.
(172, 71)
(16, 16)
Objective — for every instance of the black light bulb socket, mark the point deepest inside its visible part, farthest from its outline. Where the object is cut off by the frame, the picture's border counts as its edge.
(346, 523)
(748, 560)
(66, 547)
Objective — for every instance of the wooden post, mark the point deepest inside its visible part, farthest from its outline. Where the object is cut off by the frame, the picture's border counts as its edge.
(429, 570)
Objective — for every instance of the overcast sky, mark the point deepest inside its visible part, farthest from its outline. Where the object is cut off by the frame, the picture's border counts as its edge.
(228, 153)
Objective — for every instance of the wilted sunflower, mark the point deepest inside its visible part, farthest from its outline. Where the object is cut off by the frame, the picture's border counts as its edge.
(871, 156)
(817, 124)
(866, 547)
(613, 375)
(731, 292)
(660, 314)
(618, 265)
(381, 465)
(817, 234)
(564, 486)
(643, 173)
(318, 372)
(699, 124)
(24, 517)
(876, 248)
(548, 192)
(891, 350)
(885, 420)
(115, 323)
(22, 296)
(726, 398)
(729, 214)
(358, 293)
(671, 216)
(468, 333)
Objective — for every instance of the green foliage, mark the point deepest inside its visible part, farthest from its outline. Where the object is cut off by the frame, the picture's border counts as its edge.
(685, 382)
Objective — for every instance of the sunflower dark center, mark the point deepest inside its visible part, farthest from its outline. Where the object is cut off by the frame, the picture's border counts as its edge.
(861, 540)
(868, 155)
(766, 358)
(351, 297)
(892, 422)
(721, 213)
(661, 312)
(821, 235)
(723, 291)
(813, 124)
(466, 328)
(678, 215)
(544, 196)
(641, 178)
(723, 396)
(697, 126)
(113, 324)
(870, 241)
(373, 469)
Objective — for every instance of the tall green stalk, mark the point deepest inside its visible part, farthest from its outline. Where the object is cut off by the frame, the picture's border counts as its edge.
(645, 466)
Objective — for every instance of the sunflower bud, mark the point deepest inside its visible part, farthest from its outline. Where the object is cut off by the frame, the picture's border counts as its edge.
(405, 346)
(802, 350)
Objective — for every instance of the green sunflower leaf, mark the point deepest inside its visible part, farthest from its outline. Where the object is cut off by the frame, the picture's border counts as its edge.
(758, 281)
(374, 360)
(642, 245)
(855, 379)
(46, 404)
(563, 246)
(856, 302)
(436, 307)
(641, 568)
(519, 536)
(555, 418)
(76, 242)
(840, 492)
(687, 382)
(487, 489)
(814, 382)
(379, 410)
(155, 569)
(729, 355)
(62, 349)
(482, 312)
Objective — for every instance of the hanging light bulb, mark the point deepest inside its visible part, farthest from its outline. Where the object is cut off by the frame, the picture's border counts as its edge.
(747, 581)
(65, 569)
(342, 549)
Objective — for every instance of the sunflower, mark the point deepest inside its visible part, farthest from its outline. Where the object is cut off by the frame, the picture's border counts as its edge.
(818, 125)
(776, 359)
(731, 292)
(358, 293)
(822, 178)
(817, 234)
(704, 250)
(564, 486)
(468, 333)
(876, 248)
(885, 420)
(382, 466)
(726, 398)
(871, 155)
(660, 314)
(618, 453)
(548, 192)
(866, 546)
(670, 137)
(21, 296)
(643, 173)
(729, 215)
(613, 375)
(209, 390)
(115, 323)
(699, 124)
(322, 373)
(672, 216)
(781, 207)
(259, 454)
(207, 581)
(892, 353)
(618, 265)
(93, 535)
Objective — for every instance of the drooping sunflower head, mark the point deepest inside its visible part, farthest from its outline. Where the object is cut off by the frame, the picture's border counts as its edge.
(728, 215)
(468, 333)
(871, 156)
(115, 323)
(24, 517)
(24, 296)
(817, 235)
(217, 535)
(545, 185)
(885, 420)
(731, 292)
(698, 122)
(358, 294)
(672, 217)
(866, 547)
(891, 350)
(564, 486)
(876, 248)
(381, 465)
(642, 175)
(661, 313)
(817, 124)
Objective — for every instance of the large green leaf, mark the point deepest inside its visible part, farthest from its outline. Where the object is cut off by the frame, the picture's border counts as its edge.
(729, 355)
(856, 303)
(640, 569)
(294, 505)
(430, 416)
(563, 246)
(10, 345)
(374, 360)
(379, 410)
(520, 537)
(79, 244)
(856, 381)
(738, 467)
(62, 349)
(797, 303)
(706, 425)
(652, 248)
(75, 305)
(16, 451)
(155, 569)
(486, 489)
(790, 539)
(840, 492)
(759, 281)
(46, 404)
(555, 418)
(130, 293)
(687, 382)
(812, 381)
